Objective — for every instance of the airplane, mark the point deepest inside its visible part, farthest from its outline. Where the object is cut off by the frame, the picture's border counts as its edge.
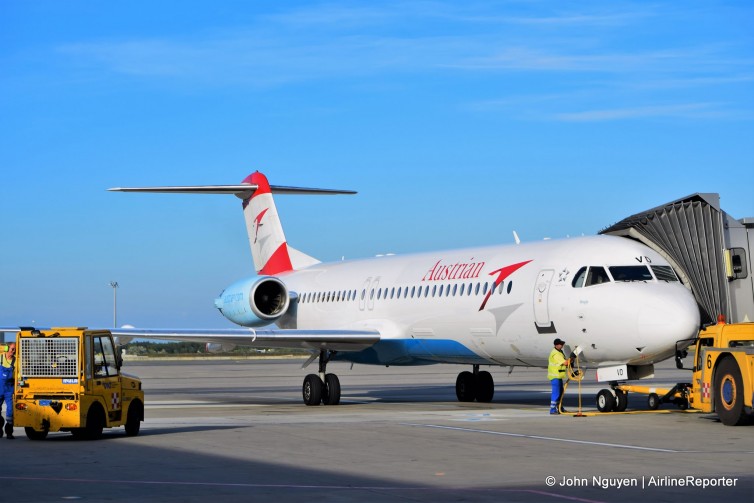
(617, 303)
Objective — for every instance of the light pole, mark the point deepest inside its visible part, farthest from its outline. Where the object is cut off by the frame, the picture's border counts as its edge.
(114, 284)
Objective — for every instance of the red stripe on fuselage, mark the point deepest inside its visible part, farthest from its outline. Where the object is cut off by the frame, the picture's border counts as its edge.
(504, 273)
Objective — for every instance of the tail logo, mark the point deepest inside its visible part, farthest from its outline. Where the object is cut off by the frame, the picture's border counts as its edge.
(258, 223)
(502, 274)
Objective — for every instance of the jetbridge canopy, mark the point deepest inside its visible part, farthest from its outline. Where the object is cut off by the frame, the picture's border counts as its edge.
(710, 251)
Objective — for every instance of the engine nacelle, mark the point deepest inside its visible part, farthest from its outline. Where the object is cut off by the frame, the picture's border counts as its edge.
(215, 347)
(254, 302)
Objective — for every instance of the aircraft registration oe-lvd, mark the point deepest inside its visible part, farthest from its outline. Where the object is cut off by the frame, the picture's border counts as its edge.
(617, 303)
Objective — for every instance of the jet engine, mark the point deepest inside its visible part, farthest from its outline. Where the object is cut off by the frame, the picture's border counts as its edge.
(254, 302)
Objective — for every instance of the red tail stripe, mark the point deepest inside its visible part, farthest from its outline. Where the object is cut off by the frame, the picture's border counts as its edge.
(260, 180)
(279, 262)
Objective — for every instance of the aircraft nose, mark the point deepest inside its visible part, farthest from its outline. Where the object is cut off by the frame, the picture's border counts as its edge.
(669, 319)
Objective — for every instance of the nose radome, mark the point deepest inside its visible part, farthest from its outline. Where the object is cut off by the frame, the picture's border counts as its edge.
(669, 319)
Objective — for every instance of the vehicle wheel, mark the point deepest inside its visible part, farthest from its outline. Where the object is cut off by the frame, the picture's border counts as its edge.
(33, 434)
(605, 401)
(729, 393)
(681, 403)
(465, 387)
(485, 387)
(653, 401)
(133, 419)
(95, 422)
(331, 391)
(621, 401)
(312, 390)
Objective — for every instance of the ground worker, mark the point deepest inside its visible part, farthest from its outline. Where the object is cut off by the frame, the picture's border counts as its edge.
(556, 372)
(7, 367)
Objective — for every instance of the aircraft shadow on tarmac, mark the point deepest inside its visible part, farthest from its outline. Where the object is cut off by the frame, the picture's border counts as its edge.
(188, 471)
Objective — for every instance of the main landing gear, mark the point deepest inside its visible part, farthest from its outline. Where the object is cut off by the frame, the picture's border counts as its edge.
(322, 388)
(475, 385)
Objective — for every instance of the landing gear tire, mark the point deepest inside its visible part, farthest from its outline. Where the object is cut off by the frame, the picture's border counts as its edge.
(729, 393)
(331, 390)
(312, 390)
(605, 401)
(653, 401)
(466, 387)
(485, 387)
(621, 401)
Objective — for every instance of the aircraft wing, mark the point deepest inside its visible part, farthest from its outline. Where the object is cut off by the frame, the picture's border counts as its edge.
(334, 340)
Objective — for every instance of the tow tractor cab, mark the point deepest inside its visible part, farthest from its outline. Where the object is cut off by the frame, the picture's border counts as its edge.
(69, 379)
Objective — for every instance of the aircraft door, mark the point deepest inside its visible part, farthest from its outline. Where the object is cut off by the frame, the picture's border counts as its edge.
(541, 299)
(372, 293)
(364, 293)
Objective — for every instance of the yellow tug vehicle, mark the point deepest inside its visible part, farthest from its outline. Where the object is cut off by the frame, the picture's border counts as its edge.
(69, 379)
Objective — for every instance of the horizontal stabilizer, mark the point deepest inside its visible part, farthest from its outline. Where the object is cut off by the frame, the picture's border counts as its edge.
(243, 191)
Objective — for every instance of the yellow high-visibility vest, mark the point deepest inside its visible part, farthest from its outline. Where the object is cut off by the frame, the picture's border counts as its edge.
(556, 365)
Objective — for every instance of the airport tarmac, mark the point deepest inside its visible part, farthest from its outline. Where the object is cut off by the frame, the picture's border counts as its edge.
(226, 430)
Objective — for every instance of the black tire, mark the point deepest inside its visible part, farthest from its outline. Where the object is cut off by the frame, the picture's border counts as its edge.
(33, 434)
(621, 401)
(729, 393)
(605, 401)
(331, 391)
(466, 387)
(653, 401)
(95, 422)
(312, 390)
(485, 387)
(133, 418)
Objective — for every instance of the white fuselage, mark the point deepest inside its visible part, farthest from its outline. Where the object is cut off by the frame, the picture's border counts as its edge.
(436, 307)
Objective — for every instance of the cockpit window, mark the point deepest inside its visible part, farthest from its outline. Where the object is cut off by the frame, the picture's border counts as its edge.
(630, 273)
(578, 279)
(596, 276)
(664, 273)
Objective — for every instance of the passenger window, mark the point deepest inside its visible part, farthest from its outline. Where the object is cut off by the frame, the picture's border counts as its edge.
(597, 276)
(578, 279)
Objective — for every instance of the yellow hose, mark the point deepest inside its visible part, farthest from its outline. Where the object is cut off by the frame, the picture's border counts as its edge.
(573, 373)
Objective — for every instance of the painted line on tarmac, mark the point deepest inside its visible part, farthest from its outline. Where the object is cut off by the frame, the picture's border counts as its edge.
(301, 486)
(553, 439)
(188, 404)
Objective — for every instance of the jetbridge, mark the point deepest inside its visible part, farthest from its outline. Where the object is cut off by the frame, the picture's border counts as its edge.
(710, 251)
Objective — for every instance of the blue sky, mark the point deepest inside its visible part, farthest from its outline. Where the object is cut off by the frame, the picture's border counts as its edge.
(457, 122)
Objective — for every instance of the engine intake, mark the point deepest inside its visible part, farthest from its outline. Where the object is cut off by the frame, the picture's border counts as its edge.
(254, 302)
